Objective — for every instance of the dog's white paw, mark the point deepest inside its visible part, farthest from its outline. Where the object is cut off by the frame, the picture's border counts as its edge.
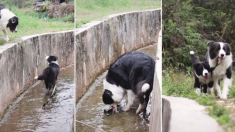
(36, 77)
(7, 39)
(126, 108)
(223, 96)
(198, 91)
(209, 90)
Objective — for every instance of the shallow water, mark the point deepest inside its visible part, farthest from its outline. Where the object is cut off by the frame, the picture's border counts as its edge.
(26, 113)
(90, 116)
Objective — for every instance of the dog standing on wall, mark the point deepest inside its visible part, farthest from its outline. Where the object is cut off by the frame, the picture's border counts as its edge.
(219, 56)
(132, 73)
(50, 74)
(202, 74)
(8, 20)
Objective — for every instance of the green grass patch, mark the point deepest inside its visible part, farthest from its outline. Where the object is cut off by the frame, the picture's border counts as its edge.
(89, 10)
(32, 22)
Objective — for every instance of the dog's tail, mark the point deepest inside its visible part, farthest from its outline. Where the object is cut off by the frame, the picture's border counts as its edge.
(194, 59)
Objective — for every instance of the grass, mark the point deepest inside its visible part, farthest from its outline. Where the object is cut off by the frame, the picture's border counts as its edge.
(32, 22)
(89, 10)
(180, 84)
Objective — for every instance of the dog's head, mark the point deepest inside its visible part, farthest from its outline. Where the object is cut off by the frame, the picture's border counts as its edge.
(202, 69)
(219, 50)
(51, 59)
(112, 95)
(13, 23)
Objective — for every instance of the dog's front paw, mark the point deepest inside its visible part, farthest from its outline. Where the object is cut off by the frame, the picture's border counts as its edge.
(36, 77)
(223, 96)
(209, 90)
(7, 39)
(198, 91)
(125, 108)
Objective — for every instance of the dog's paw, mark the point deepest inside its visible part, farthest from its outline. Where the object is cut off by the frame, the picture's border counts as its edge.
(223, 96)
(7, 39)
(125, 108)
(36, 77)
(198, 91)
(209, 90)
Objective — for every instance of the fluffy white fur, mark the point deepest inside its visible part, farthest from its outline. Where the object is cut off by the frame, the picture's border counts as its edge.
(191, 52)
(5, 16)
(145, 87)
(118, 92)
(130, 100)
(220, 71)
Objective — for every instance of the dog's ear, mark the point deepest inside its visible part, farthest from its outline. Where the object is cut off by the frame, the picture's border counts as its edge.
(227, 48)
(13, 20)
(196, 65)
(209, 43)
(56, 58)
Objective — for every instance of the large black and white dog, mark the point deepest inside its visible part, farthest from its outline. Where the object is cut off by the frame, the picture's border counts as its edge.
(130, 74)
(7, 20)
(51, 73)
(202, 75)
(220, 60)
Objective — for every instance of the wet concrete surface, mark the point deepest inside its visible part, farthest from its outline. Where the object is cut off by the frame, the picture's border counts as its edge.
(90, 116)
(26, 113)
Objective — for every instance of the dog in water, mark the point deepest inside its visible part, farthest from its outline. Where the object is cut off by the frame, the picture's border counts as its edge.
(50, 74)
(131, 74)
(202, 75)
(8, 20)
(219, 56)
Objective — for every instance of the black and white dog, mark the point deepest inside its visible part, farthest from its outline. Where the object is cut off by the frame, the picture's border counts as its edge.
(130, 74)
(202, 75)
(220, 60)
(7, 20)
(51, 73)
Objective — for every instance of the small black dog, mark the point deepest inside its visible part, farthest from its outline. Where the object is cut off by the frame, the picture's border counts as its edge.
(202, 74)
(51, 73)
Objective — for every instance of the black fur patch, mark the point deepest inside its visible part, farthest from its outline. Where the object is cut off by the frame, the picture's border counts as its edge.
(107, 97)
(12, 23)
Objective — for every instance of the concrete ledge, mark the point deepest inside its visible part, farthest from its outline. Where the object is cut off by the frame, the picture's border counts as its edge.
(20, 62)
(99, 43)
(186, 115)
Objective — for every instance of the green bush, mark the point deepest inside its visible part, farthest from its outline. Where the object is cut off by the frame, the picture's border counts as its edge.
(190, 24)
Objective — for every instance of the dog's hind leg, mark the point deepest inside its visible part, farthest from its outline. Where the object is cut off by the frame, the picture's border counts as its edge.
(5, 33)
(130, 100)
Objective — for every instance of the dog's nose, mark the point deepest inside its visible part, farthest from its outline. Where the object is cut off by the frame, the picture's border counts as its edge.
(16, 31)
(206, 74)
(222, 55)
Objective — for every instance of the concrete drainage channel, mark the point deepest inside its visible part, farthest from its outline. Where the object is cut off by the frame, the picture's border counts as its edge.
(186, 115)
(22, 98)
(100, 43)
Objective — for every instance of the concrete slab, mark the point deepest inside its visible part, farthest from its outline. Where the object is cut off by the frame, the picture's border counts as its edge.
(188, 116)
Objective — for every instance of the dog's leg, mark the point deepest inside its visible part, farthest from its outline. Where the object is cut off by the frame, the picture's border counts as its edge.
(130, 100)
(197, 86)
(141, 108)
(226, 85)
(210, 87)
(217, 90)
(5, 33)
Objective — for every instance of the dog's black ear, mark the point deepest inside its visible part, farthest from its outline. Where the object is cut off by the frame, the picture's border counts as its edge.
(227, 48)
(209, 43)
(56, 58)
(13, 20)
(196, 65)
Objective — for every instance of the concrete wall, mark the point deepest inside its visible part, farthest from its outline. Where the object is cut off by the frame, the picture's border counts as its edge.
(98, 43)
(21, 62)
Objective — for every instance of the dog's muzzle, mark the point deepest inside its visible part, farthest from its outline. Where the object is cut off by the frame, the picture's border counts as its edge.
(110, 111)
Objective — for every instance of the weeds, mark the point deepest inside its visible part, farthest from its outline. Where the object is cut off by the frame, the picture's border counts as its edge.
(180, 83)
